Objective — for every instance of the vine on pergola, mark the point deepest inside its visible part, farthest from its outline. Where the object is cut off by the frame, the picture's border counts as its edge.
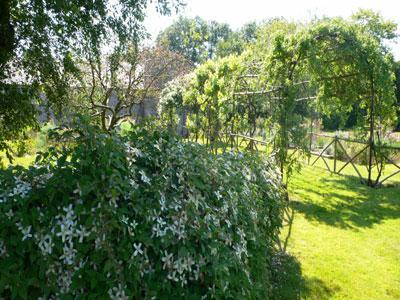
(344, 64)
(329, 66)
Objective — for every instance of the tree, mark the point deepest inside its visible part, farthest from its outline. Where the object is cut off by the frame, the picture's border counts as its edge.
(217, 32)
(249, 31)
(112, 88)
(41, 40)
(171, 107)
(187, 37)
(234, 45)
(238, 41)
(195, 38)
(397, 74)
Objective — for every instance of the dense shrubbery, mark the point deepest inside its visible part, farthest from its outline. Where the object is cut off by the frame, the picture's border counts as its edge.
(139, 216)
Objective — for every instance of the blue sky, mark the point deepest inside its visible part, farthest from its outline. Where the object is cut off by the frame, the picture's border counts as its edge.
(238, 12)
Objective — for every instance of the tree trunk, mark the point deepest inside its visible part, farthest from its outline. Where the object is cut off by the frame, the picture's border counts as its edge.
(182, 130)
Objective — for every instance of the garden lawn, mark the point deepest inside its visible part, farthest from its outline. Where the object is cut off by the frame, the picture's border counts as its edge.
(24, 161)
(346, 237)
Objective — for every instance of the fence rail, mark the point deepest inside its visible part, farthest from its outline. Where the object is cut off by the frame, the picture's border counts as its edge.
(350, 160)
(337, 143)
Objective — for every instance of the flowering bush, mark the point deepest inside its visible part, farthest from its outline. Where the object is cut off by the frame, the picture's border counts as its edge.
(143, 216)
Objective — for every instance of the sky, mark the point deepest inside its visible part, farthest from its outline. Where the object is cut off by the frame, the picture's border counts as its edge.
(238, 12)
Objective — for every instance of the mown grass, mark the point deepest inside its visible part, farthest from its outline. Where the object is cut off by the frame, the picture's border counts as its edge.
(23, 161)
(345, 237)
(350, 171)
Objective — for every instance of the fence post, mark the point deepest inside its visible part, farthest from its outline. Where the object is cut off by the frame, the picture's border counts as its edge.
(371, 141)
(311, 136)
(335, 154)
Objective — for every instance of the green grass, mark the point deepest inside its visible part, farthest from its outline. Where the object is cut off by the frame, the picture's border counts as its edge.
(23, 161)
(346, 238)
(349, 170)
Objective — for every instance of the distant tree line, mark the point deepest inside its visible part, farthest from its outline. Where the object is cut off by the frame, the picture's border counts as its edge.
(199, 40)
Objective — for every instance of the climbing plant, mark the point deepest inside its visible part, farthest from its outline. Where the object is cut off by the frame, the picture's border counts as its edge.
(209, 98)
(289, 74)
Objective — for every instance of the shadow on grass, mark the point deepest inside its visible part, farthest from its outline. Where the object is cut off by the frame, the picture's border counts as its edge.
(288, 282)
(346, 203)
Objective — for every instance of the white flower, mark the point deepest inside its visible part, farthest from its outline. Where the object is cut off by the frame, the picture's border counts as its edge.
(180, 177)
(131, 227)
(65, 232)
(196, 272)
(64, 280)
(136, 152)
(68, 253)
(242, 234)
(125, 220)
(158, 231)
(162, 202)
(167, 259)
(144, 178)
(70, 212)
(82, 233)
(133, 184)
(26, 232)
(9, 214)
(133, 224)
(46, 244)
(138, 249)
(158, 146)
(21, 188)
(218, 194)
(118, 293)
(172, 276)
(3, 249)
(183, 280)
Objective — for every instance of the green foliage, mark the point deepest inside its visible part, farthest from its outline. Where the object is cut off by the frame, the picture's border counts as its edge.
(234, 45)
(41, 42)
(375, 24)
(15, 115)
(199, 40)
(238, 41)
(171, 106)
(138, 216)
(397, 83)
(209, 98)
(343, 65)
(188, 37)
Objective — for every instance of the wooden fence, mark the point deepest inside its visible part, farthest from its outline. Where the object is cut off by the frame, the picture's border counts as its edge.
(372, 149)
(337, 143)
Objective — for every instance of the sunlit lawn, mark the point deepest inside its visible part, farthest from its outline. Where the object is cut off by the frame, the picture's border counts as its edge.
(346, 237)
(24, 161)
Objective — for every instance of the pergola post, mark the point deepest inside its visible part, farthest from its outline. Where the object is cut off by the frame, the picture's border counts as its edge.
(371, 139)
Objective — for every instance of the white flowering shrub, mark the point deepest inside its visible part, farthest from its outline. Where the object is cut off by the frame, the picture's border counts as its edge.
(144, 216)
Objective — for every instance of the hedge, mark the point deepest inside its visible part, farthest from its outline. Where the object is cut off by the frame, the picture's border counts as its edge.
(142, 216)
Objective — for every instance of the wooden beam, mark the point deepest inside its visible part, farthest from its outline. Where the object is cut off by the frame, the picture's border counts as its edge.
(326, 147)
(351, 159)
(249, 93)
(386, 178)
